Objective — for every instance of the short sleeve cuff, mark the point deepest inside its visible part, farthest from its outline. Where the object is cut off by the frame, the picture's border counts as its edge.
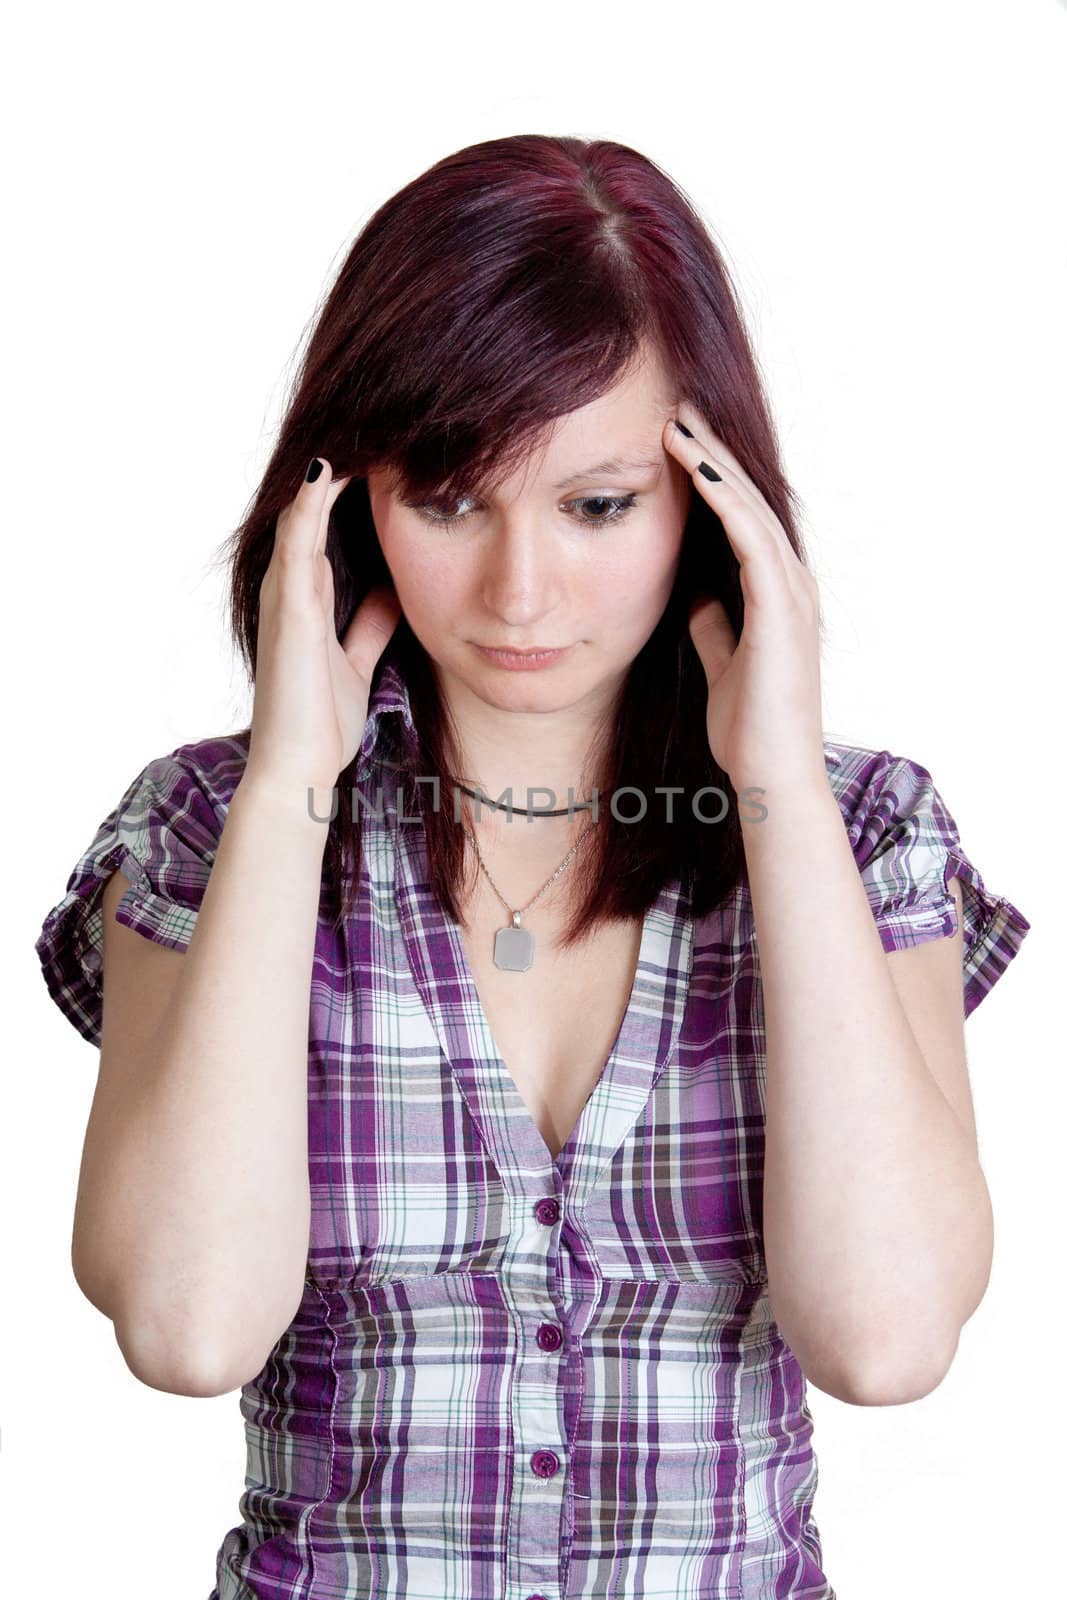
(907, 847)
(162, 835)
(993, 928)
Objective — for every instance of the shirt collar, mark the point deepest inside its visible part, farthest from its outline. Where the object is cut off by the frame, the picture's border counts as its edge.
(391, 695)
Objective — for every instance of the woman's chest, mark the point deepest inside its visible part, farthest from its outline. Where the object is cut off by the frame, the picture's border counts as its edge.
(444, 1103)
(555, 1023)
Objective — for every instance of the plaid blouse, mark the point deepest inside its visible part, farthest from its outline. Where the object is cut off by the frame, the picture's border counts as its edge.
(512, 1377)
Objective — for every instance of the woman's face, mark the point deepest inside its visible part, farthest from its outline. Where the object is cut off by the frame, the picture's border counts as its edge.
(523, 569)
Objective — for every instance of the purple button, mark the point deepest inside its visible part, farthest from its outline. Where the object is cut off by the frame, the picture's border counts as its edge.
(549, 1336)
(545, 1463)
(547, 1211)
(535, 1597)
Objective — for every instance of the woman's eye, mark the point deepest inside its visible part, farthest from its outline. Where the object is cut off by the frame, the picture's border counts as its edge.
(618, 504)
(425, 509)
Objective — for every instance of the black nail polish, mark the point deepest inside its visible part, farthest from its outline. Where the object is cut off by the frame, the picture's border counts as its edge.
(313, 470)
(682, 428)
(709, 472)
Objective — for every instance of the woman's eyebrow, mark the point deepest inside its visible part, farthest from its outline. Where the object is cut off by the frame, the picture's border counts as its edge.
(610, 469)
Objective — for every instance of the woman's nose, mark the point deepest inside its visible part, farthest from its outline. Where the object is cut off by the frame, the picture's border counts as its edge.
(521, 577)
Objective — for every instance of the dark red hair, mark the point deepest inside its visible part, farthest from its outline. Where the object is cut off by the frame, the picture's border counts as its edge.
(508, 285)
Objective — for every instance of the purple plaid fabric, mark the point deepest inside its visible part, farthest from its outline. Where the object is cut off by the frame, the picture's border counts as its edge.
(512, 1377)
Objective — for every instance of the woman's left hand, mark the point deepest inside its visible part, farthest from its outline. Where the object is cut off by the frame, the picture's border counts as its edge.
(764, 695)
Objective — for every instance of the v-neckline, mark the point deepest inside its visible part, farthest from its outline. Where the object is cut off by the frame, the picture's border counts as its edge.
(646, 1036)
(476, 1008)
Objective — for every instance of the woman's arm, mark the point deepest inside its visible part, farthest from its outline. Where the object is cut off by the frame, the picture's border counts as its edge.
(878, 1229)
(193, 1211)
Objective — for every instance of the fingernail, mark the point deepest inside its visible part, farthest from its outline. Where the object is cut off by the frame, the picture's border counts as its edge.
(682, 428)
(313, 470)
(709, 472)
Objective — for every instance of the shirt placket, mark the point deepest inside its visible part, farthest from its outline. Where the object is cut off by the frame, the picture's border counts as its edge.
(542, 1480)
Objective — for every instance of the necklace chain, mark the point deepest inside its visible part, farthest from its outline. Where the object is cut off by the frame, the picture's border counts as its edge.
(513, 911)
(514, 945)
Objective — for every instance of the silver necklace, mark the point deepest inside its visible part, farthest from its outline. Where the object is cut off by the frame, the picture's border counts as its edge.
(513, 946)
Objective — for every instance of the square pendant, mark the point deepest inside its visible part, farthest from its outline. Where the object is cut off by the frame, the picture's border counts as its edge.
(513, 949)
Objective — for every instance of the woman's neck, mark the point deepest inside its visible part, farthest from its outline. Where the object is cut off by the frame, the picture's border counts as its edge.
(534, 762)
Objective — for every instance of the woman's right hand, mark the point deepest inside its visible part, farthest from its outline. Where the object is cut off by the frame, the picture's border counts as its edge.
(312, 690)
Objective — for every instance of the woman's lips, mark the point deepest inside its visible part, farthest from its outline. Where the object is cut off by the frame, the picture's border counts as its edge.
(522, 660)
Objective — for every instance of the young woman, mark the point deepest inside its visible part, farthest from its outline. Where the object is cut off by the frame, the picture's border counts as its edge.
(531, 1048)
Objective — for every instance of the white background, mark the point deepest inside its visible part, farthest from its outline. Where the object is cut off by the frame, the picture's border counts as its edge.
(887, 185)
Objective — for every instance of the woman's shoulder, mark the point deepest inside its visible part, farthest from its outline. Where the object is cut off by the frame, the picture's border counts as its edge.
(844, 759)
(214, 764)
(866, 780)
